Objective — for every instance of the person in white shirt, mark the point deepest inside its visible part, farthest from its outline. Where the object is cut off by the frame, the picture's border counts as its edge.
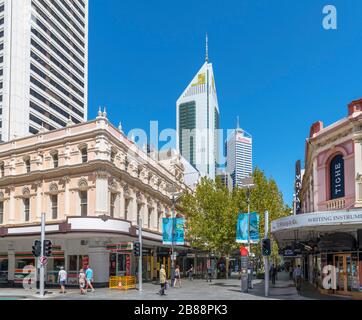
(62, 279)
(298, 277)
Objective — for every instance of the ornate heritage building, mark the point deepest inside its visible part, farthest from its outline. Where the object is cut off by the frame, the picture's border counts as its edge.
(95, 186)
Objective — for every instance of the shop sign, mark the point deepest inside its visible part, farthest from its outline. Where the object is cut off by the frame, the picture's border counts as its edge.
(317, 219)
(337, 177)
(191, 255)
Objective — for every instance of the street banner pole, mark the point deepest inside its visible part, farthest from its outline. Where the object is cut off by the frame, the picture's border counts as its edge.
(42, 266)
(141, 255)
(266, 259)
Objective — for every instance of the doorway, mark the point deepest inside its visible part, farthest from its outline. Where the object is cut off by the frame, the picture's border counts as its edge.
(343, 264)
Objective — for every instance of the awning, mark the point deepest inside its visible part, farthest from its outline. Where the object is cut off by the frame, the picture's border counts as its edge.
(308, 226)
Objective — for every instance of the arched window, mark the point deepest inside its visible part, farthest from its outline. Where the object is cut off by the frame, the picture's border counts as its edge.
(336, 170)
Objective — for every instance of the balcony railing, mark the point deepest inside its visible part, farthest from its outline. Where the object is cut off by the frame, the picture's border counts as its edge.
(336, 204)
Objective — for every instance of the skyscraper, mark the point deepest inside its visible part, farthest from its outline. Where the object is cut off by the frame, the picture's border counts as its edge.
(197, 111)
(239, 148)
(43, 65)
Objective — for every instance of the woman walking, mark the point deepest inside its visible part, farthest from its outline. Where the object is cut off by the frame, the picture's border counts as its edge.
(177, 277)
(82, 281)
(162, 280)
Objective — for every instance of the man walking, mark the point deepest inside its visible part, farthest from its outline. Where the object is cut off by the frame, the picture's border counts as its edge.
(162, 280)
(191, 273)
(273, 273)
(89, 276)
(62, 279)
(298, 277)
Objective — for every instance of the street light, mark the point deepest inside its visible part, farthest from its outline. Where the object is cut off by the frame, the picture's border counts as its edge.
(249, 184)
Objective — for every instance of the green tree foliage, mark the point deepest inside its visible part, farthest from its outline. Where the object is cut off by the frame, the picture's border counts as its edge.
(212, 213)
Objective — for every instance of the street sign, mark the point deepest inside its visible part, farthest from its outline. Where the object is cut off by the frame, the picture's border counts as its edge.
(43, 261)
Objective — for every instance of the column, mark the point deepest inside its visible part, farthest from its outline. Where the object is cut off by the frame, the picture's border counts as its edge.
(101, 193)
(11, 266)
(66, 197)
(358, 171)
(122, 204)
(11, 205)
(38, 200)
(133, 210)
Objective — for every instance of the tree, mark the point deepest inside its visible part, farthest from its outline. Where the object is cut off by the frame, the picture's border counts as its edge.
(212, 212)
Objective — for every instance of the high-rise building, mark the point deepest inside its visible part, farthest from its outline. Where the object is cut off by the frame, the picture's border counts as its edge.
(197, 111)
(43, 65)
(239, 149)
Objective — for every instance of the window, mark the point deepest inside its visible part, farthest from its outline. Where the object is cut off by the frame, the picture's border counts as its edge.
(1, 212)
(83, 203)
(336, 170)
(149, 218)
(55, 160)
(84, 154)
(27, 164)
(2, 169)
(112, 204)
(54, 200)
(139, 207)
(127, 202)
(113, 156)
(26, 202)
(159, 221)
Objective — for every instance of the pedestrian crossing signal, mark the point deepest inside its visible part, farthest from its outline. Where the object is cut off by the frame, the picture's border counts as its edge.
(137, 249)
(266, 247)
(36, 249)
(47, 248)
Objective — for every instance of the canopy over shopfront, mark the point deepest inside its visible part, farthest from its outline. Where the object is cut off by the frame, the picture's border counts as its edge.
(309, 227)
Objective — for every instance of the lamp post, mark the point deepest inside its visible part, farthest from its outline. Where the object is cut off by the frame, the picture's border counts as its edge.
(249, 184)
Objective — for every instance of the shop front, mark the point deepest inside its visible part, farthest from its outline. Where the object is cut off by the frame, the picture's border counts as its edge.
(4, 265)
(329, 247)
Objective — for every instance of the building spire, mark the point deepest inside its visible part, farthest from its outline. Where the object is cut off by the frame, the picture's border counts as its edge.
(237, 122)
(207, 48)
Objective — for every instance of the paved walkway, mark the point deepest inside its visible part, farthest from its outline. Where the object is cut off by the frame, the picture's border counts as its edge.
(284, 289)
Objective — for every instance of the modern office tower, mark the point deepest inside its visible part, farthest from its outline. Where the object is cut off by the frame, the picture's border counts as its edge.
(239, 146)
(197, 118)
(43, 65)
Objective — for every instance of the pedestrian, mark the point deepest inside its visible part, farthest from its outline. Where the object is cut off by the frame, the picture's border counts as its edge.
(177, 277)
(89, 278)
(82, 281)
(162, 280)
(62, 279)
(291, 272)
(209, 274)
(298, 277)
(191, 273)
(273, 273)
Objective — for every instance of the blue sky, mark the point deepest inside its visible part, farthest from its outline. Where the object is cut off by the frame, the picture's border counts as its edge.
(274, 65)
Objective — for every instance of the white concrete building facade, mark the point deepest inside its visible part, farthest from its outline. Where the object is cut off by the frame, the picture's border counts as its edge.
(43, 65)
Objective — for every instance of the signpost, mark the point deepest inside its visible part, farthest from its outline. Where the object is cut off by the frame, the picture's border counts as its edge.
(42, 257)
(140, 256)
(266, 258)
(244, 261)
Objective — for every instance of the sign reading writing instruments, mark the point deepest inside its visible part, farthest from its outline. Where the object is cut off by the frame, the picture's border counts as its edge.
(317, 219)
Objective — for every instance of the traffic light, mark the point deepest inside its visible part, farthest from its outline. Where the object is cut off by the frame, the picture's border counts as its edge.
(37, 249)
(266, 250)
(47, 248)
(137, 249)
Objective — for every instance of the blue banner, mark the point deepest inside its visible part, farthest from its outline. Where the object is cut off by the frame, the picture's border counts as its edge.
(242, 228)
(173, 231)
(254, 227)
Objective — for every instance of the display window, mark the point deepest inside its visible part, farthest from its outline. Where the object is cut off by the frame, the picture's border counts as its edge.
(75, 263)
(119, 264)
(4, 263)
(24, 263)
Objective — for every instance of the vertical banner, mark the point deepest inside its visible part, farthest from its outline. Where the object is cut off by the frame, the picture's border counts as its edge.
(242, 228)
(167, 231)
(178, 236)
(254, 227)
